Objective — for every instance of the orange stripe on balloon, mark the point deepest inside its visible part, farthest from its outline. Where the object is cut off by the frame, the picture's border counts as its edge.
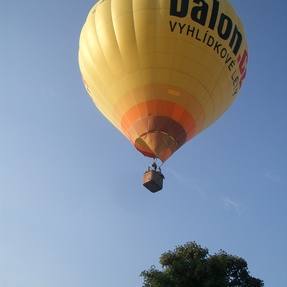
(158, 108)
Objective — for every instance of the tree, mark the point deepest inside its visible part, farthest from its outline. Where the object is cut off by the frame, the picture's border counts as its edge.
(191, 265)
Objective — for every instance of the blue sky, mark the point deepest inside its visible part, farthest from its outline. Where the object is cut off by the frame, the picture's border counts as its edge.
(72, 209)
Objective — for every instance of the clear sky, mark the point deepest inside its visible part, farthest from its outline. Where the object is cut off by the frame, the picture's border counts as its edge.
(72, 208)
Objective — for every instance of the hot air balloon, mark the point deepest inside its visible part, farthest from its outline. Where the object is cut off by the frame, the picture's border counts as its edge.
(161, 71)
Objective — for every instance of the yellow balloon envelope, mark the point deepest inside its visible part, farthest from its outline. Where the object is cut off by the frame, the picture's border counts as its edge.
(161, 71)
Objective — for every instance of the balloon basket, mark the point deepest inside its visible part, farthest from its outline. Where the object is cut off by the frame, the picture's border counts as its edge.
(153, 180)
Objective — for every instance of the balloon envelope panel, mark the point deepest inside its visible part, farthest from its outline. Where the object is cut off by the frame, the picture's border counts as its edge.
(161, 71)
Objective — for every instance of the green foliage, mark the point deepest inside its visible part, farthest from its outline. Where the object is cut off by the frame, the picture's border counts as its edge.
(191, 265)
